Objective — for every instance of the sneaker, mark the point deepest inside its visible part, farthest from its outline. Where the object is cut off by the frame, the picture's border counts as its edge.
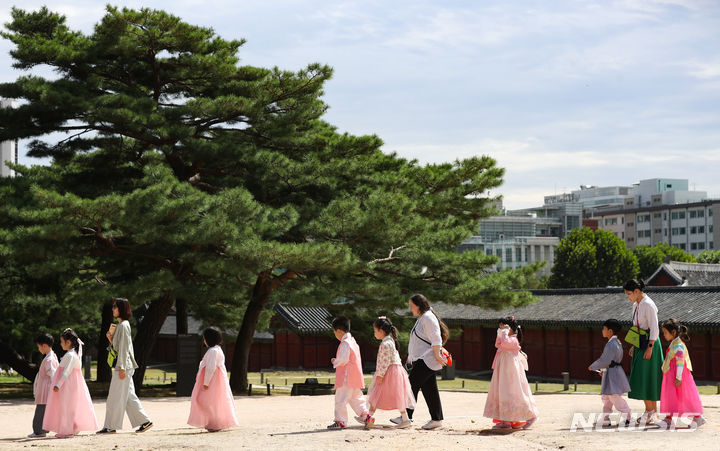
(106, 431)
(64, 435)
(432, 424)
(403, 424)
(369, 422)
(336, 426)
(398, 420)
(144, 427)
(360, 419)
(648, 417)
(697, 422)
(34, 435)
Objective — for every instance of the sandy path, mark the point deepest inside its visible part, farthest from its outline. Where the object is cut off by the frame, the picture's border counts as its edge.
(282, 422)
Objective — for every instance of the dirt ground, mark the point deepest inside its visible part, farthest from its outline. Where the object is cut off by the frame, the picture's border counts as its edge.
(291, 423)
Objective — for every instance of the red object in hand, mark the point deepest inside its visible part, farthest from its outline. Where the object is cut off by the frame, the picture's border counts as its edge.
(446, 356)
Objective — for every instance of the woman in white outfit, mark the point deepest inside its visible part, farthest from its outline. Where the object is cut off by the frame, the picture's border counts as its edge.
(424, 358)
(121, 396)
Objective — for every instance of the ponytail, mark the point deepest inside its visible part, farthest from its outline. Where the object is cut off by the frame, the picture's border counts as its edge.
(683, 332)
(383, 323)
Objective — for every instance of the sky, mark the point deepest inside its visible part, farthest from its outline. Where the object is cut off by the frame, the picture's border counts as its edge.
(561, 93)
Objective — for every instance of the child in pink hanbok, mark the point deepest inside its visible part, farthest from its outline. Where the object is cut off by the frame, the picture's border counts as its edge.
(679, 395)
(390, 387)
(69, 408)
(42, 386)
(349, 380)
(212, 405)
(510, 402)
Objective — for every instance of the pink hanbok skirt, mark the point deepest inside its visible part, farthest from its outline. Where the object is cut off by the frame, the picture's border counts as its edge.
(70, 409)
(394, 393)
(214, 408)
(682, 400)
(509, 397)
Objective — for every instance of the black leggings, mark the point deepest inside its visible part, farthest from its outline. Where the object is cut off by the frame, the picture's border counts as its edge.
(423, 378)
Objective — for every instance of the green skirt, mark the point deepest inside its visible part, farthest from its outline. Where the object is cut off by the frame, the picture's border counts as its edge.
(646, 375)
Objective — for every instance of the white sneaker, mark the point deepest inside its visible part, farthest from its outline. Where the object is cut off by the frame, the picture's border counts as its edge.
(432, 424)
(398, 420)
(403, 424)
(360, 419)
(697, 422)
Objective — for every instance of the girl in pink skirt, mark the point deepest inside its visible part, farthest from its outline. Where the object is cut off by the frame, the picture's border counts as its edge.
(390, 387)
(510, 402)
(69, 407)
(679, 395)
(212, 405)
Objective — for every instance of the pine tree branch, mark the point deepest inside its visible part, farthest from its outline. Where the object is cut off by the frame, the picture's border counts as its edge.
(390, 257)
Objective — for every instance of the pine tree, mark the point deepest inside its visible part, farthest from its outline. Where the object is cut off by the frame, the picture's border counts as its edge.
(187, 179)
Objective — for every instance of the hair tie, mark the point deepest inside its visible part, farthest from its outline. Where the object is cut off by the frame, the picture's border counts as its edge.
(80, 345)
(382, 317)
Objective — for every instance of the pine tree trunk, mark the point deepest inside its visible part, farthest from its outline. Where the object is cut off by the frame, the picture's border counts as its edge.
(9, 356)
(104, 372)
(260, 295)
(181, 316)
(147, 333)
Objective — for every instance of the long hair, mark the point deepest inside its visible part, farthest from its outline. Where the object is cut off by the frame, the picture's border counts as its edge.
(517, 328)
(673, 325)
(384, 324)
(424, 305)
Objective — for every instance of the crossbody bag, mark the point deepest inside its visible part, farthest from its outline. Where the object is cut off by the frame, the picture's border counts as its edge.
(444, 353)
(636, 336)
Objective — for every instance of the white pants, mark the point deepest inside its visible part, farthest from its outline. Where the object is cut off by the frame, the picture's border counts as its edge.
(122, 398)
(352, 396)
(620, 404)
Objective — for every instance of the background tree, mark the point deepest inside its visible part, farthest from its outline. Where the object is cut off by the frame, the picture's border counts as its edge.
(190, 181)
(709, 257)
(587, 258)
(651, 257)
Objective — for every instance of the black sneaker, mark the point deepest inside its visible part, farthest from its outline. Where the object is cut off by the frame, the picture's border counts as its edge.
(145, 426)
(106, 431)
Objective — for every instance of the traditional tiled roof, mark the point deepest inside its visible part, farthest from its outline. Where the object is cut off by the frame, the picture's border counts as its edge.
(305, 320)
(698, 307)
(694, 274)
(169, 328)
(694, 306)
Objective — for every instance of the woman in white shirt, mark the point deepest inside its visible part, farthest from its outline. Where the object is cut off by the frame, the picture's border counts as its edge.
(424, 358)
(647, 360)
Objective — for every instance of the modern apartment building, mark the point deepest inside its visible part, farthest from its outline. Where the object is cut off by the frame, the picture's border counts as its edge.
(693, 227)
(516, 240)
